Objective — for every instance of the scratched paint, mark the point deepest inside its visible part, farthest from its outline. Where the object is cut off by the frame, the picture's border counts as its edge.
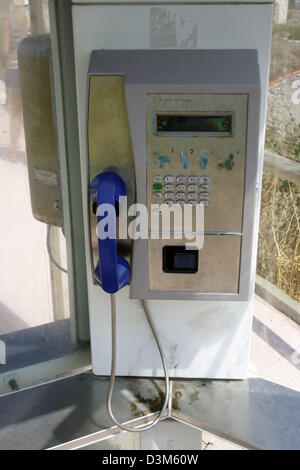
(168, 30)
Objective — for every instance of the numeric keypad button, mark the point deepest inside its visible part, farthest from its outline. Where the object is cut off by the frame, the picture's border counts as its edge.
(204, 203)
(157, 178)
(204, 179)
(181, 179)
(193, 179)
(169, 179)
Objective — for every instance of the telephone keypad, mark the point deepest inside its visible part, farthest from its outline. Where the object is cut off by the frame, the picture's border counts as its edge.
(196, 192)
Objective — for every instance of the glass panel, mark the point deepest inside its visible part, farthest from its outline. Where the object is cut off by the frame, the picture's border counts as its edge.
(34, 299)
(276, 342)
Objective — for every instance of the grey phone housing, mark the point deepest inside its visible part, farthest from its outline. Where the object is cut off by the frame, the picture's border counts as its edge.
(190, 72)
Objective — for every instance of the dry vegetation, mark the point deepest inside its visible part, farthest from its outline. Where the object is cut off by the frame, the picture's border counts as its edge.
(279, 233)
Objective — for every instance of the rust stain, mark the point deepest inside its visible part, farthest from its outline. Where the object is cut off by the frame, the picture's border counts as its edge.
(280, 79)
(176, 399)
(141, 406)
(150, 405)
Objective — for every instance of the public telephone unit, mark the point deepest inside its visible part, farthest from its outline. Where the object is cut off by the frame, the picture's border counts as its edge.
(171, 102)
(179, 128)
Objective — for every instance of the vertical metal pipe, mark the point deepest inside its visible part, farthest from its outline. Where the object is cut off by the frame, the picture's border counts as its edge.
(37, 17)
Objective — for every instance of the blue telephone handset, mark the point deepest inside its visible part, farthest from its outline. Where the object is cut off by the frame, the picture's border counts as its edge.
(112, 271)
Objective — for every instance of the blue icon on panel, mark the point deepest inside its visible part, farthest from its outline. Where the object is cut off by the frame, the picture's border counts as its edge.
(203, 159)
(184, 158)
(227, 163)
(203, 163)
(162, 158)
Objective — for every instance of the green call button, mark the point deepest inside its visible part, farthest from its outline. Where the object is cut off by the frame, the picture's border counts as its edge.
(157, 186)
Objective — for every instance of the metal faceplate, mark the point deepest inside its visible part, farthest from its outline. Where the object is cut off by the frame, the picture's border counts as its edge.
(109, 144)
(213, 162)
(192, 167)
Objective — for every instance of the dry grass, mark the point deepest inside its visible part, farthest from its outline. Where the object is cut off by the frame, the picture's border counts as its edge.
(279, 232)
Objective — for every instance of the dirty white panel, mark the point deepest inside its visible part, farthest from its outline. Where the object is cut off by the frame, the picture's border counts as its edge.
(201, 339)
(170, 30)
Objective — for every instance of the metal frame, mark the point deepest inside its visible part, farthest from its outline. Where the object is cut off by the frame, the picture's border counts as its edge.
(67, 137)
(69, 157)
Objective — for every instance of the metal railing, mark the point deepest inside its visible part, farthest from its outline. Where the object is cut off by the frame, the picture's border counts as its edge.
(282, 167)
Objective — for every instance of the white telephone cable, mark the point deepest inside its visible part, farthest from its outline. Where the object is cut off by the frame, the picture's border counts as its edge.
(52, 259)
(113, 369)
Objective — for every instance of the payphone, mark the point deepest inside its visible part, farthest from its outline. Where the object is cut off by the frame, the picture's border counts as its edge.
(191, 119)
(193, 123)
(175, 110)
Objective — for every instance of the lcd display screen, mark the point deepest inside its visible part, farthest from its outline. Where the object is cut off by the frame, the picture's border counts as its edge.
(194, 124)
